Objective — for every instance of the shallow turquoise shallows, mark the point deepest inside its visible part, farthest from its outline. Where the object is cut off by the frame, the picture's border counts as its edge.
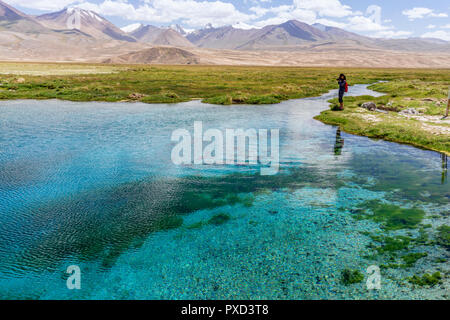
(93, 185)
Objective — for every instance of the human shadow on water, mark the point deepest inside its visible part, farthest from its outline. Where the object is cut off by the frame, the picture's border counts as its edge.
(444, 158)
(339, 144)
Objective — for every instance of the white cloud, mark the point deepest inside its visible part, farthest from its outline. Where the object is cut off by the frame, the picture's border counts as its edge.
(325, 8)
(308, 11)
(392, 34)
(365, 24)
(44, 5)
(440, 34)
(332, 23)
(190, 12)
(421, 13)
(198, 13)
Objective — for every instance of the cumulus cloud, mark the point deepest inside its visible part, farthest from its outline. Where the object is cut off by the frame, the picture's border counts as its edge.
(308, 11)
(198, 13)
(44, 5)
(421, 13)
(392, 34)
(325, 8)
(191, 12)
(365, 24)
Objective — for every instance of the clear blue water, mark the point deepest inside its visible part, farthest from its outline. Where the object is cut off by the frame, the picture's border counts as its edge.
(92, 184)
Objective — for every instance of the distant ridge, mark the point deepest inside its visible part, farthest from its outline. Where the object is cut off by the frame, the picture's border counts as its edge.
(14, 20)
(160, 36)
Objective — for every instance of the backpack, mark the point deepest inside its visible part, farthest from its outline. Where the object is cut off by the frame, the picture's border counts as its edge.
(346, 87)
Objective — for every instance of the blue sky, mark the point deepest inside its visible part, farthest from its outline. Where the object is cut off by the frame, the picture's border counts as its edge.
(377, 18)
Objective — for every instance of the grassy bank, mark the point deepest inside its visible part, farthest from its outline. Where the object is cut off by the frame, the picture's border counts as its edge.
(166, 84)
(243, 85)
(426, 94)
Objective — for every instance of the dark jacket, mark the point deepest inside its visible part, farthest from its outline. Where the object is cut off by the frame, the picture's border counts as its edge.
(342, 84)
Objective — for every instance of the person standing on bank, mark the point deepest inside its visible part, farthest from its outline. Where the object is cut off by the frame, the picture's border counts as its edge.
(343, 88)
(448, 105)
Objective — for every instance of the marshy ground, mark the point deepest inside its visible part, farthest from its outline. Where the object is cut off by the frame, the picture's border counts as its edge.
(425, 90)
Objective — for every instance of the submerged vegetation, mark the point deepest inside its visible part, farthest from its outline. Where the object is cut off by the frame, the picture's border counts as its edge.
(403, 240)
(349, 277)
(426, 280)
(219, 219)
(137, 209)
(392, 217)
(443, 238)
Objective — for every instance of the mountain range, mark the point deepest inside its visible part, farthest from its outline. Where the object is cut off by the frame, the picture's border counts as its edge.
(295, 35)
(160, 36)
(75, 34)
(89, 23)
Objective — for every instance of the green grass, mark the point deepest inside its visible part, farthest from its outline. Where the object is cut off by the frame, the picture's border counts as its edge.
(169, 84)
(225, 85)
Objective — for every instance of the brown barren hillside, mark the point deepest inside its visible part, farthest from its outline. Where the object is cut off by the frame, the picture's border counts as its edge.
(157, 55)
(308, 58)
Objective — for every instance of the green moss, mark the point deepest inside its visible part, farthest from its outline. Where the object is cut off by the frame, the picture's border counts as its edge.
(349, 277)
(429, 280)
(411, 258)
(219, 219)
(247, 201)
(392, 217)
(392, 244)
(443, 237)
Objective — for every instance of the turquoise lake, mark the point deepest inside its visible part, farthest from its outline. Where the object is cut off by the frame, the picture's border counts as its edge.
(93, 185)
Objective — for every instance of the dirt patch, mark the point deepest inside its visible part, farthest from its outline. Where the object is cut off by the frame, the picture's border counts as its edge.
(436, 130)
(369, 118)
(425, 118)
